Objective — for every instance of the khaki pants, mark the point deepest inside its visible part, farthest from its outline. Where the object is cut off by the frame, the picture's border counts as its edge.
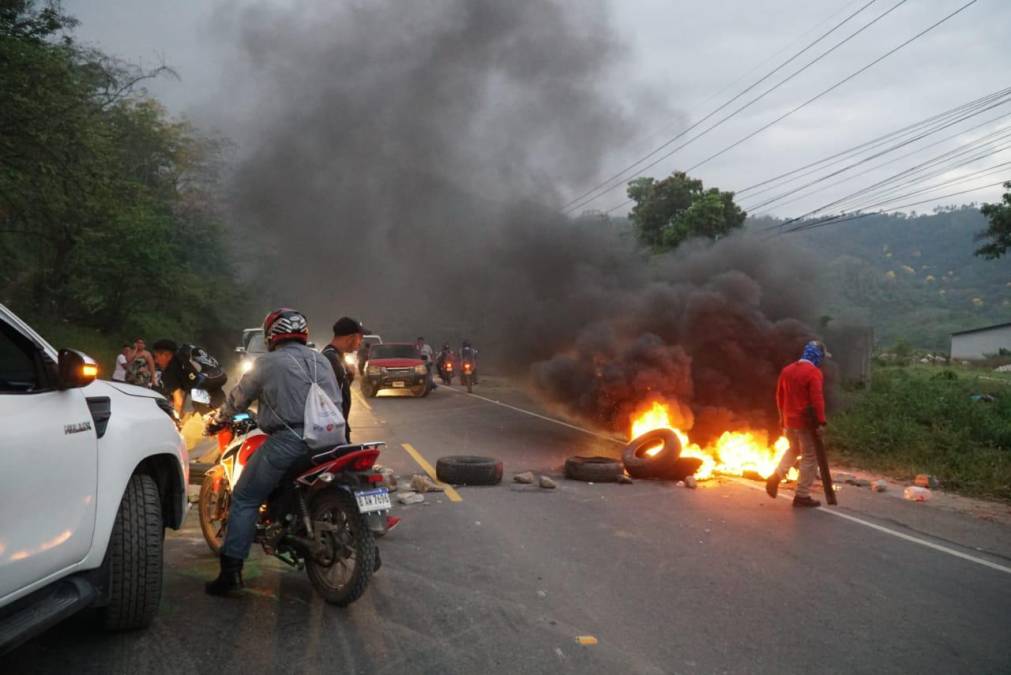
(802, 444)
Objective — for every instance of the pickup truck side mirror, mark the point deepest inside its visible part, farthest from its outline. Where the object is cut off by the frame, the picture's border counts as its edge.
(76, 369)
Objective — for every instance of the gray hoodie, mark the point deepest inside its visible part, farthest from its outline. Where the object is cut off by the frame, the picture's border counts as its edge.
(279, 382)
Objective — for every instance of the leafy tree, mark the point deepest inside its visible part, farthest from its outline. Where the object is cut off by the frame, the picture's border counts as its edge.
(999, 232)
(674, 209)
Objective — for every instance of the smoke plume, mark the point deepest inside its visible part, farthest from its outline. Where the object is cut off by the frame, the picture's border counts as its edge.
(405, 162)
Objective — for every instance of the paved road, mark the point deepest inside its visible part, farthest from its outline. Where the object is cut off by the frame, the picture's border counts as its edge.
(663, 579)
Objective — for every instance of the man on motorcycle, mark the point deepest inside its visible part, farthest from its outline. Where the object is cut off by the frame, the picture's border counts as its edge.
(469, 355)
(280, 385)
(347, 337)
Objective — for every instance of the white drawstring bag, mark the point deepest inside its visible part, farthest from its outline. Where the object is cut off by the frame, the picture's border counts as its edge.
(324, 425)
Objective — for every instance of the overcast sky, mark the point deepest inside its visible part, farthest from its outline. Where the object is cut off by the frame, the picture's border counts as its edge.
(684, 54)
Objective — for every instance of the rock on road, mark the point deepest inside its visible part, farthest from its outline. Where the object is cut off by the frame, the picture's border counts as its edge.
(607, 578)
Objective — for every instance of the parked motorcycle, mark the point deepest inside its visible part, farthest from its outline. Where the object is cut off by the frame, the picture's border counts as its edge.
(324, 516)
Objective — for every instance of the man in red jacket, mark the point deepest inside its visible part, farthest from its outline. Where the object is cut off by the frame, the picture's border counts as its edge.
(801, 390)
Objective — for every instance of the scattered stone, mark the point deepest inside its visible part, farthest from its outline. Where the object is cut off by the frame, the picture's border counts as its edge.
(625, 480)
(547, 483)
(916, 494)
(843, 477)
(421, 483)
(389, 478)
(879, 486)
(1003, 369)
(690, 482)
(527, 477)
(410, 498)
(926, 481)
(542, 594)
(859, 482)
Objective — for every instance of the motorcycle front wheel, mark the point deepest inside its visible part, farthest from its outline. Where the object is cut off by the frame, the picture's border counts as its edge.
(213, 509)
(341, 571)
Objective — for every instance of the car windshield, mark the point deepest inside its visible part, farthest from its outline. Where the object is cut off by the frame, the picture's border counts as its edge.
(394, 352)
(256, 344)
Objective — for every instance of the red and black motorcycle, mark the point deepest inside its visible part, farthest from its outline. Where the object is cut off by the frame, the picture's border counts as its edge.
(324, 516)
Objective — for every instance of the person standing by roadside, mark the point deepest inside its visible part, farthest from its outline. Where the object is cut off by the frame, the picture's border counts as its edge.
(800, 397)
(119, 372)
(428, 354)
(347, 337)
(140, 369)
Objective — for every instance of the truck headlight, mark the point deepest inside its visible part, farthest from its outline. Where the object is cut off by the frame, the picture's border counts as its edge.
(421, 369)
(373, 370)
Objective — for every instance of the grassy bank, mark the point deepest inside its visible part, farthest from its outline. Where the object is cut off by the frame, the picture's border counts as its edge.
(925, 419)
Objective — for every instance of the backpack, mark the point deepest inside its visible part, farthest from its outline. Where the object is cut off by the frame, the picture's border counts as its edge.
(323, 423)
(202, 369)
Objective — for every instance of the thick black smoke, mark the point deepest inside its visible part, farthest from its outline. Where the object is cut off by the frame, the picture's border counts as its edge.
(404, 162)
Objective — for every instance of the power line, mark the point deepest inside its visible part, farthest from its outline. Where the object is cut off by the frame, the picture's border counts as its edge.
(579, 201)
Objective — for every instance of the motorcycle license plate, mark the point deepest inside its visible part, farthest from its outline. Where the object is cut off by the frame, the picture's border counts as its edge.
(200, 396)
(399, 384)
(373, 500)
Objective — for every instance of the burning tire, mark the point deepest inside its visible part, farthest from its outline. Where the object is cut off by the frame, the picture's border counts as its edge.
(469, 470)
(652, 455)
(593, 469)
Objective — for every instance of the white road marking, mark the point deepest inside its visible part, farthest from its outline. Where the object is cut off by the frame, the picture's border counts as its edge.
(829, 511)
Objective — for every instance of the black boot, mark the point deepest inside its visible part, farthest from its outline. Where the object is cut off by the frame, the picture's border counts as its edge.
(806, 502)
(229, 581)
(772, 484)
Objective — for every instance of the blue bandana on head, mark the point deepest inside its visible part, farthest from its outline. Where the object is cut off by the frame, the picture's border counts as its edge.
(813, 353)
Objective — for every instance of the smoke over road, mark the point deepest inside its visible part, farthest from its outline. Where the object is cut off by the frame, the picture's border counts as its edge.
(404, 162)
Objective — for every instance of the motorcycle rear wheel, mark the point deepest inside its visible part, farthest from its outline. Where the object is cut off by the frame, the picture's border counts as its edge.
(214, 503)
(342, 574)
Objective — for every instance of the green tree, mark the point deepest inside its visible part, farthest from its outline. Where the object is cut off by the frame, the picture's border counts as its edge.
(999, 232)
(674, 209)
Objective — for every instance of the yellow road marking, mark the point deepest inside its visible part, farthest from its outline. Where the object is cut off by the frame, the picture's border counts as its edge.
(361, 399)
(453, 495)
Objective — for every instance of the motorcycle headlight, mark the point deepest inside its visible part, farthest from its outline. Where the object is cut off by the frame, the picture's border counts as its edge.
(421, 369)
(373, 370)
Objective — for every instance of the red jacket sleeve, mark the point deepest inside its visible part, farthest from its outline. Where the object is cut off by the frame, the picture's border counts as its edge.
(817, 394)
(781, 400)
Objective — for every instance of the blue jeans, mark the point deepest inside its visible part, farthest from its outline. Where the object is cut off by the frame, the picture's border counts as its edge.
(261, 475)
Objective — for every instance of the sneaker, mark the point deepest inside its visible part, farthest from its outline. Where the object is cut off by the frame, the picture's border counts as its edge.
(806, 501)
(772, 485)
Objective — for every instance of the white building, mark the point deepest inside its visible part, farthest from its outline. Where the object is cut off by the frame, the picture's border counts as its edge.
(978, 343)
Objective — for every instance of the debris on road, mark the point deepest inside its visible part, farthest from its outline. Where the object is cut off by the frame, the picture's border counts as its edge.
(690, 482)
(410, 498)
(526, 477)
(916, 494)
(422, 483)
(625, 479)
(547, 483)
(586, 640)
(469, 470)
(651, 455)
(593, 469)
(879, 486)
(926, 481)
(859, 482)
(389, 480)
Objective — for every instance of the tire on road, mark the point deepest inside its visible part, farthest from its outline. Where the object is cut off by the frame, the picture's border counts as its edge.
(135, 557)
(469, 470)
(593, 469)
(641, 465)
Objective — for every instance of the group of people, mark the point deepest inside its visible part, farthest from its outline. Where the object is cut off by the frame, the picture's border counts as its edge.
(171, 369)
(466, 354)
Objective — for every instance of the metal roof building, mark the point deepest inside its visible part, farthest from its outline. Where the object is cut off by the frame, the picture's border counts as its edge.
(978, 343)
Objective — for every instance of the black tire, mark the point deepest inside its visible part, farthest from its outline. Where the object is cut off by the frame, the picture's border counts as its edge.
(342, 579)
(640, 465)
(593, 469)
(214, 529)
(469, 470)
(368, 391)
(135, 558)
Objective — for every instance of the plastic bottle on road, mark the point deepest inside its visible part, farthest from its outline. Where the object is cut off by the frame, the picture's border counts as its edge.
(916, 494)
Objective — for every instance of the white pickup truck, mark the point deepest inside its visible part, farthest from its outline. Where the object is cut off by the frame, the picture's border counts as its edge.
(91, 473)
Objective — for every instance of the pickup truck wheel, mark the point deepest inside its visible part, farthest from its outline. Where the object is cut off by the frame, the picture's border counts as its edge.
(135, 557)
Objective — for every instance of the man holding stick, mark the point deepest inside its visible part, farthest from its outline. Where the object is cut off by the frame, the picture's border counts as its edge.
(800, 398)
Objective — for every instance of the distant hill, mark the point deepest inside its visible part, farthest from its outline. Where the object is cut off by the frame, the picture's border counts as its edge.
(913, 278)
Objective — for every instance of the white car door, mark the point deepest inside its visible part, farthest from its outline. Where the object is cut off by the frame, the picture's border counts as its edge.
(48, 467)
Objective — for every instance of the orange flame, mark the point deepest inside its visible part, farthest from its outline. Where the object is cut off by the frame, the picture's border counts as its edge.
(733, 453)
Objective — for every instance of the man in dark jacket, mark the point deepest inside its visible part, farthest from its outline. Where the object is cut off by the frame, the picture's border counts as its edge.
(800, 397)
(347, 337)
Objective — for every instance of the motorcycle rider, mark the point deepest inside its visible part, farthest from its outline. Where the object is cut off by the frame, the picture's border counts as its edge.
(445, 355)
(280, 385)
(347, 337)
(469, 354)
